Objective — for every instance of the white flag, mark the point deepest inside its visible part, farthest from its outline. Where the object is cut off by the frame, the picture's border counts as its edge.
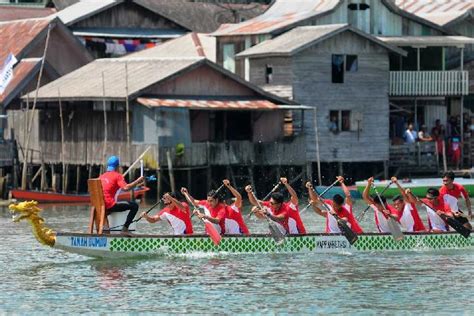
(6, 74)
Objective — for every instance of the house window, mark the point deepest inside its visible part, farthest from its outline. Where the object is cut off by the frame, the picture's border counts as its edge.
(352, 64)
(358, 15)
(339, 121)
(337, 68)
(268, 73)
(229, 57)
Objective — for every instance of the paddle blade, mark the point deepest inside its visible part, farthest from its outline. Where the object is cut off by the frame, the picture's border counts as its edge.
(457, 226)
(395, 229)
(347, 232)
(277, 235)
(213, 233)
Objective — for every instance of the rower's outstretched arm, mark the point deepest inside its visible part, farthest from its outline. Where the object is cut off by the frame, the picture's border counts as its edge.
(365, 194)
(294, 196)
(251, 196)
(188, 196)
(346, 191)
(177, 204)
(133, 184)
(401, 189)
(314, 198)
(235, 193)
(411, 198)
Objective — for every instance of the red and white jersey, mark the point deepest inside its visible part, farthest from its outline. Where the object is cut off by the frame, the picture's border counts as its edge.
(331, 223)
(234, 222)
(381, 220)
(283, 210)
(451, 196)
(410, 219)
(180, 221)
(348, 207)
(434, 220)
(218, 212)
(295, 224)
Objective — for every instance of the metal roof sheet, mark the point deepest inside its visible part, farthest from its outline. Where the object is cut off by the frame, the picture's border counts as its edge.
(301, 37)
(424, 41)
(440, 12)
(15, 36)
(189, 45)
(10, 13)
(23, 69)
(83, 9)
(281, 14)
(117, 32)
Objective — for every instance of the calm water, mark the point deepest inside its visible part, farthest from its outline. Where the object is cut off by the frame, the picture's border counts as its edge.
(37, 279)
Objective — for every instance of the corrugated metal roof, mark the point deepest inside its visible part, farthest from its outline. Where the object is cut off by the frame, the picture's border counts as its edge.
(83, 9)
(301, 37)
(15, 36)
(189, 45)
(22, 70)
(281, 14)
(86, 83)
(209, 104)
(440, 12)
(118, 32)
(9, 13)
(424, 41)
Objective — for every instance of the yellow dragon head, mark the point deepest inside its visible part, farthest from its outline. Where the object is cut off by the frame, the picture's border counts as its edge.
(29, 210)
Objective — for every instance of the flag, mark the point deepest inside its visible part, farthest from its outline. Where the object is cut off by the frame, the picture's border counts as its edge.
(6, 73)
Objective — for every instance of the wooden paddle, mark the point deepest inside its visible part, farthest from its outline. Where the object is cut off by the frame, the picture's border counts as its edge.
(210, 229)
(267, 196)
(345, 229)
(277, 235)
(361, 216)
(454, 223)
(322, 193)
(392, 224)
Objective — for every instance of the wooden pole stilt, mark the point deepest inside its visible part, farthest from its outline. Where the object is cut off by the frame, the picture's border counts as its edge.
(104, 148)
(127, 116)
(63, 148)
(170, 171)
(78, 177)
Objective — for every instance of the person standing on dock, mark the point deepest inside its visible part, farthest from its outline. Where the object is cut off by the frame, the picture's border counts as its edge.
(213, 206)
(451, 192)
(276, 209)
(381, 209)
(329, 208)
(175, 212)
(112, 181)
(407, 212)
(234, 222)
(295, 224)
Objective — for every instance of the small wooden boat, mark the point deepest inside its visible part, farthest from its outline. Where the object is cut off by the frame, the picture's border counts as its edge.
(55, 197)
(116, 246)
(417, 186)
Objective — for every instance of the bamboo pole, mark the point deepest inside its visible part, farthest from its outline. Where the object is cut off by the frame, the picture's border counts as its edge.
(170, 171)
(63, 148)
(136, 161)
(30, 124)
(445, 164)
(127, 114)
(318, 159)
(104, 148)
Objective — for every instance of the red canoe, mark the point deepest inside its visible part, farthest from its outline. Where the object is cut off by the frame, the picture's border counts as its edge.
(54, 197)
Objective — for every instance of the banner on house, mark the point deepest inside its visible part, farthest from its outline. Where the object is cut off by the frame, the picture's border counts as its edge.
(6, 73)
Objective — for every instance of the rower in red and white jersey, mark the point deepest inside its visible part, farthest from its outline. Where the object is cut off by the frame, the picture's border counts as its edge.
(408, 216)
(381, 209)
(275, 209)
(176, 213)
(437, 207)
(348, 203)
(295, 224)
(451, 192)
(336, 207)
(213, 207)
(234, 222)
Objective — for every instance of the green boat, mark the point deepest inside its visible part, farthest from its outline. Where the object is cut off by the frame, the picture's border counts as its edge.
(417, 186)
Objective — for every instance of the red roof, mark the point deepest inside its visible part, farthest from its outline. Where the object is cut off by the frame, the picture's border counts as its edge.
(199, 104)
(9, 13)
(16, 35)
(20, 72)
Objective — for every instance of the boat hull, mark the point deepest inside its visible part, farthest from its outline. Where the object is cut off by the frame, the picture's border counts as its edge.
(110, 246)
(53, 197)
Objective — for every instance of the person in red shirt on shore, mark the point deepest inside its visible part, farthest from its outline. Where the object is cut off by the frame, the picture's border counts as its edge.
(275, 209)
(112, 181)
(176, 213)
(336, 207)
(234, 222)
(213, 207)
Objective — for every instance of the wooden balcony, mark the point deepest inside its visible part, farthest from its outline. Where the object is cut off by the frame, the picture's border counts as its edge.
(417, 157)
(429, 83)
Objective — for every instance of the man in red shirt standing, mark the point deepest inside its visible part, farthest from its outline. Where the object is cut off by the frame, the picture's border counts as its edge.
(451, 192)
(176, 213)
(214, 209)
(112, 181)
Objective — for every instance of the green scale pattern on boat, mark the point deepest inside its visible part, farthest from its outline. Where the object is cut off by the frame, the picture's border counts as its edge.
(294, 244)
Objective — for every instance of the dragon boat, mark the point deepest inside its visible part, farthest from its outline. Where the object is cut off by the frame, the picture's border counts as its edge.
(116, 246)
